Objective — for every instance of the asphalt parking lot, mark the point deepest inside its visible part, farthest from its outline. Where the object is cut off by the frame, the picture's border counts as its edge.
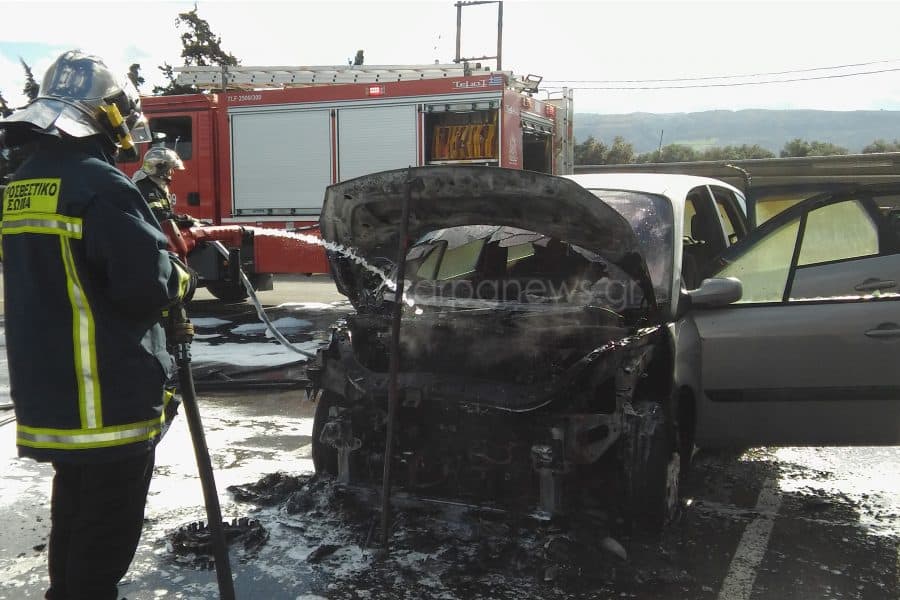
(788, 523)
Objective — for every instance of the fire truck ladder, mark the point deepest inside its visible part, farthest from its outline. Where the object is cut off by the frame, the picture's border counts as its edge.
(249, 78)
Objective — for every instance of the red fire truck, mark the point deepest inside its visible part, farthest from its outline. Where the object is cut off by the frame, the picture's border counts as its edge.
(260, 145)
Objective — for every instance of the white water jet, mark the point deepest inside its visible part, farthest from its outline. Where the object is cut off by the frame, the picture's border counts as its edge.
(317, 241)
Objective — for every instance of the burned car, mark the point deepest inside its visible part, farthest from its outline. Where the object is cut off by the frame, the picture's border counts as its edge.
(531, 349)
(564, 340)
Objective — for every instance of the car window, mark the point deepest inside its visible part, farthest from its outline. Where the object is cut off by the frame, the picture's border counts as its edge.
(848, 251)
(838, 231)
(178, 134)
(475, 264)
(651, 218)
(689, 211)
(730, 215)
(767, 207)
(460, 261)
(764, 268)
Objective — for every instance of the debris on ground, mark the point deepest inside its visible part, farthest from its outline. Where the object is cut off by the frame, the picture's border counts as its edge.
(192, 543)
(274, 488)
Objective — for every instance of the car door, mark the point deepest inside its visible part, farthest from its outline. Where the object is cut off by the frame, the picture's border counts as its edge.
(809, 355)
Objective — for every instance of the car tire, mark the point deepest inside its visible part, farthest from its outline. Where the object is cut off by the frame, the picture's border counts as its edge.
(652, 465)
(324, 457)
(227, 291)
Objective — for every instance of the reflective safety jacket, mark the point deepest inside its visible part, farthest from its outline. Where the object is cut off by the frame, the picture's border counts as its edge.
(157, 196)
(86, 277)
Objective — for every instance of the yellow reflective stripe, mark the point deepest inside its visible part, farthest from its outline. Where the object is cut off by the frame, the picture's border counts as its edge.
(42, 223)
(184, 281)
(64, 439)
(157, 204)
(84, 439)
(83, 345)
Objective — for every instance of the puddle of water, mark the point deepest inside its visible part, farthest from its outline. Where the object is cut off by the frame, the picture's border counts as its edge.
(868, 476)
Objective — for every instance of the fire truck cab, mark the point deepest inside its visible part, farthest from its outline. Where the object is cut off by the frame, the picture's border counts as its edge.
(261, 144)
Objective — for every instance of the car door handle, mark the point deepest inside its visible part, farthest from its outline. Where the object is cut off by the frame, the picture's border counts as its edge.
(885, 330)
(873, 283)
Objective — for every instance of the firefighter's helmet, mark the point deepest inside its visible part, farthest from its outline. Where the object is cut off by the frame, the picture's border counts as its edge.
(160, 162)
(80, 97)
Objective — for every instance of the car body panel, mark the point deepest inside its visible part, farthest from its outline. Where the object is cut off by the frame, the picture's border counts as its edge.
(799, 374)
(812, 359)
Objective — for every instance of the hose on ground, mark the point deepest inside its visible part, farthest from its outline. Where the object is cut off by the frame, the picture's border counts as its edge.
(259, 309)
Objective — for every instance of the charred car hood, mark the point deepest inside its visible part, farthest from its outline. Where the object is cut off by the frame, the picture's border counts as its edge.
(363, 215)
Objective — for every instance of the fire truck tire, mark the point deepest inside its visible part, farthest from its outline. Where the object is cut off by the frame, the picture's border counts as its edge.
(227, 291)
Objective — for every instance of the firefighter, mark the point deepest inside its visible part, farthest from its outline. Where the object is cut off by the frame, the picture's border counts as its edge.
(86, 276)
(153, 179)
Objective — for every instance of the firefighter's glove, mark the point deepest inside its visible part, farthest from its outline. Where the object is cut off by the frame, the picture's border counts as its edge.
(184, 221)
(187, 279)
(179, 329)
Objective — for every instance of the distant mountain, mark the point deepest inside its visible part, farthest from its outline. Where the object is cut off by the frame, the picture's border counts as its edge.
(769, 128)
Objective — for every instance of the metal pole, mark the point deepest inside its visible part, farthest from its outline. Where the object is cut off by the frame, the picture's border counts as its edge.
(183, 332)
(394, 368)
(500, 36)
(458, 29)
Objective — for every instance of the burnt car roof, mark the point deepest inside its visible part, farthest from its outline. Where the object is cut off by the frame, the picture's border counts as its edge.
(364, 214)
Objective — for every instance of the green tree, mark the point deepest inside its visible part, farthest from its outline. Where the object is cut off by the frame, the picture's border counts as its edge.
(5, 110)
(594, 152)
(620, 153)
(590, 152)
(200, 48)
(134, 74)
(881, 145)
(800, 147)
(32, 88)
(669, 153)
(172, 88)
(741, 152)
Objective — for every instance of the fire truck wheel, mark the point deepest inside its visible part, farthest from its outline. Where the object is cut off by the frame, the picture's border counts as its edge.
(227, 291)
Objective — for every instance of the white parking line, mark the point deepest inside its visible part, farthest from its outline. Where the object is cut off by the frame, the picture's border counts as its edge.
(751, 549)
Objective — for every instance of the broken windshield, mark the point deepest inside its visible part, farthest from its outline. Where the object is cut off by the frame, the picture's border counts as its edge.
(650, 216)
(476, 265)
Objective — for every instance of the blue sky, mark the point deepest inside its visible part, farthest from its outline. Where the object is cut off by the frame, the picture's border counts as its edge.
(570, 43)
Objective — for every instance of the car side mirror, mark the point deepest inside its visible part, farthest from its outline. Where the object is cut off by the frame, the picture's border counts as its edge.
(716, 291)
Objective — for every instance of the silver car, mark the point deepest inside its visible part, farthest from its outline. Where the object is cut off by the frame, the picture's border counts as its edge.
(808, 354)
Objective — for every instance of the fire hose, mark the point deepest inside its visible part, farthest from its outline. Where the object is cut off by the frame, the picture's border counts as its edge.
(261, 313)
(182, 332)
(182, 244)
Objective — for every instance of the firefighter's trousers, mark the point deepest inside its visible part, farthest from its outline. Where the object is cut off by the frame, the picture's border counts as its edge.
(97, 512)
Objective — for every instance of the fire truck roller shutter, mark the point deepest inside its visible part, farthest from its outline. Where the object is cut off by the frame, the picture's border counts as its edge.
(376, 138)
(281, 161)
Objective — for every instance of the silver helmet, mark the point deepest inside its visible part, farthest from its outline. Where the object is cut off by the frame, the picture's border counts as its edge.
(161, 161)
(80, 97)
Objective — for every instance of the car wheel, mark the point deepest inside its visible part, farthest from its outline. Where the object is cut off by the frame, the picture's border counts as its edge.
(227, 291)
(324, 457)
(652, 463)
